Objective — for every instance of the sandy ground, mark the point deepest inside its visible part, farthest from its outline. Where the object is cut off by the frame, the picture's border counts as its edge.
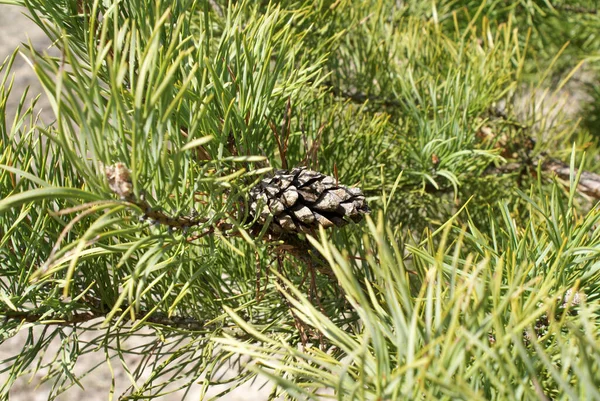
(16, 28)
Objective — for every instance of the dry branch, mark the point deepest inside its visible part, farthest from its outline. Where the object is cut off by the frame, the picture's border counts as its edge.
(178, 322)
(589, 183)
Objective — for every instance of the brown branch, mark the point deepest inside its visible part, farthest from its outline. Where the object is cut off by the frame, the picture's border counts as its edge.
(29, 317)
(589, 183)
(361, 98)
(575, 9)
(162, 319)
(508, 168)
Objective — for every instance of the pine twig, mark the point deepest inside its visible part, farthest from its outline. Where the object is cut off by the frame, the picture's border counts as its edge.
(575, 9)
(361, 98)
(178, 322)
(589, 183)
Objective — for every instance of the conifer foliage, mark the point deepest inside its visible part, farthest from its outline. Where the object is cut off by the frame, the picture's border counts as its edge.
(364, 200)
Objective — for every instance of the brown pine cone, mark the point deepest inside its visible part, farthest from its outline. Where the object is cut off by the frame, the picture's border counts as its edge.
(301, 200)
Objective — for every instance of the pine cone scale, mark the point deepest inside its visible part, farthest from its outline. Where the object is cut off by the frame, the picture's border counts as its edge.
(289, 198)
(303, 214)
(308, 196)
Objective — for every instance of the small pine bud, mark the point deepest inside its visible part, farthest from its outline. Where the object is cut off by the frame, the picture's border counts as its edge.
(119, 180)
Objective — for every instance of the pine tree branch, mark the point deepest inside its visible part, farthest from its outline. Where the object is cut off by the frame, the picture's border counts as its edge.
(177, 322)
(32, 317)
(575, 9)
(589, 183)
(361, 98)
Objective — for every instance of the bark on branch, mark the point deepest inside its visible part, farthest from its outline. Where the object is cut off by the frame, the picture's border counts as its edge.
(589, 183)
(575, 9)
(177, 322)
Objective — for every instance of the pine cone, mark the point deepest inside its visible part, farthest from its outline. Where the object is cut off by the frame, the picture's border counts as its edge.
(301, 200)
